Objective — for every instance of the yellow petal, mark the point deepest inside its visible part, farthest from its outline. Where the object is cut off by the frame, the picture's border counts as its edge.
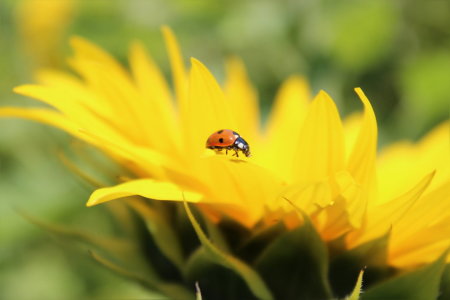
(156, 101)
(351, 192)
(85, 50)
(208, 111)
(432, 208)
(178, 68)
(242, 185)
(361, 162)
(143, 161)
(339, 217)
(67, 101)
(320, 148)
(284, 125)
(352, 125)
(243, 99)
(147, 188)
(41, 115)
(110, 82)
(150, 162)
(433, 241)
(382, 217)
(430, 153)
(117, 91)
(309, 197)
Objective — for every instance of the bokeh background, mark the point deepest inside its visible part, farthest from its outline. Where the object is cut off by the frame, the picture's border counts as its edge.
(397, 51)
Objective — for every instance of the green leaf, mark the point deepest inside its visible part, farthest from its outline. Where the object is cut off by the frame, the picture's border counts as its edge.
(252, 279)
(415, 285)
(295, 265)
(171, 290)
(358, 288)
(161, 231)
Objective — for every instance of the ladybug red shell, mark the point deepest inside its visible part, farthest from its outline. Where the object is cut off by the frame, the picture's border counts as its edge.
(229, 140)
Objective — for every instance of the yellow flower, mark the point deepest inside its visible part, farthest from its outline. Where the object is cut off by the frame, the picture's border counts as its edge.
(304, 158)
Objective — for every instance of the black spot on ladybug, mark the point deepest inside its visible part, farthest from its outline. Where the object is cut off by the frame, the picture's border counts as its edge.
(221, 140)
(219, 132)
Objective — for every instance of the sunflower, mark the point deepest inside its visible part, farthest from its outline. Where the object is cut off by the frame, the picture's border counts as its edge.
(309, 171)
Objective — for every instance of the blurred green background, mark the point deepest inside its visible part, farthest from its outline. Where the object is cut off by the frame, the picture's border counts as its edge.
(397, 51)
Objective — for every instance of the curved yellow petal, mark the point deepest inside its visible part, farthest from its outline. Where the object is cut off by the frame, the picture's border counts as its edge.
(179, 73)
(243, 99)
(320, 146)
(147, 188)
(208, 110)
(284, 124)
(361, 162)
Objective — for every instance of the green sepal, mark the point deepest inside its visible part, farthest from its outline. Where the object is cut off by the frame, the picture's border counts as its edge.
(215, 280)
(171, 290)
(357, 290)
(347, 264)
(250, 276)
(160, 229)
(295, 264)
(216, 236)
(198, 292)
(420, 284)
(253, 246)
(445, 284)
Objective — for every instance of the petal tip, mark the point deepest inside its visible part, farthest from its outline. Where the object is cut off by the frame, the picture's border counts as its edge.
(92, 201)
(195, 62)
(23, 89)
(76, 40)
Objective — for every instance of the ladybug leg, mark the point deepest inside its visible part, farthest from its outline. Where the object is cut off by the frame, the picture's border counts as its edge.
(236, 153)
(226, 150)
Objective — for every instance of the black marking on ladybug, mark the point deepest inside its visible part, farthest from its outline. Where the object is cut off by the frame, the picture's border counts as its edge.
(221, 140)
(219, 132)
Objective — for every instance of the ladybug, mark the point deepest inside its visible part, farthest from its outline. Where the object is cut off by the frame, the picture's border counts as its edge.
(229, 140)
